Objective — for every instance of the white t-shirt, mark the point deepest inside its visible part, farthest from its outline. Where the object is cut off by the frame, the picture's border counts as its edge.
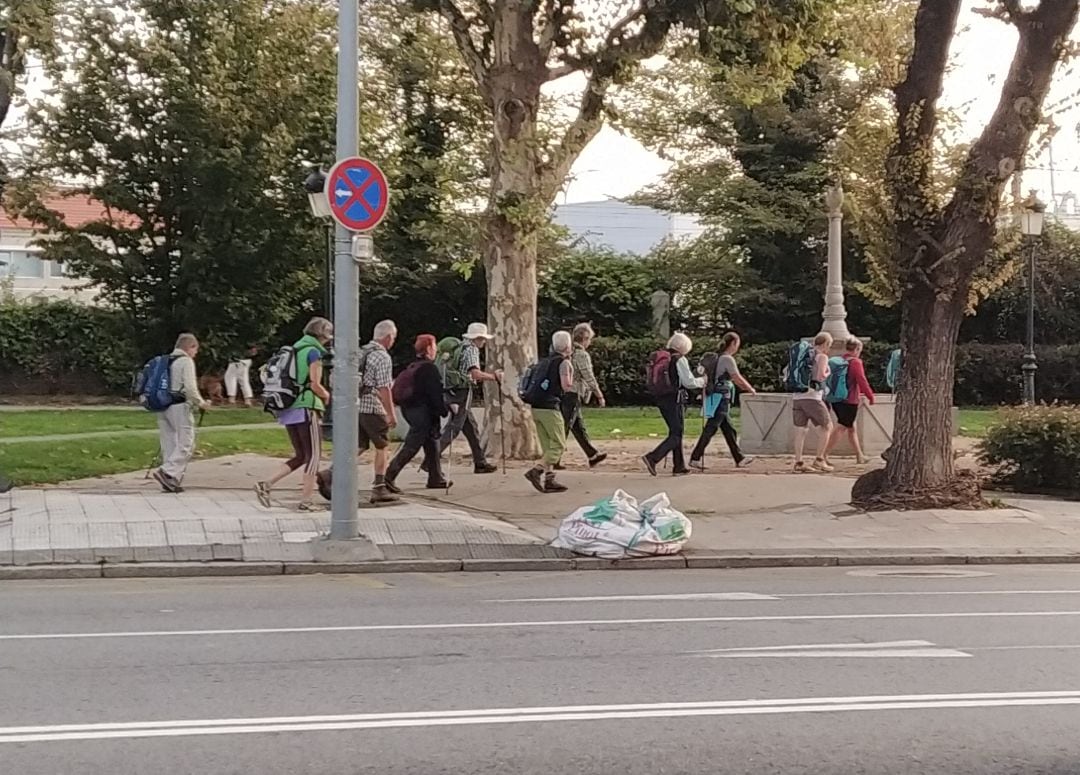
(820, 374)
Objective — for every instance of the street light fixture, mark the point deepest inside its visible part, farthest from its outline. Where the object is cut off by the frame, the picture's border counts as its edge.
(1031, 225)
(315, 185)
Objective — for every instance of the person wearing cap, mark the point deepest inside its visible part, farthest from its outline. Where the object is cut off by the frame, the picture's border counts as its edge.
(460, 401)
(420, 393)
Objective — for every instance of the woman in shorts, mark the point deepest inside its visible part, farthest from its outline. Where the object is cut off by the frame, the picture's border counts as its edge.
(847, 410)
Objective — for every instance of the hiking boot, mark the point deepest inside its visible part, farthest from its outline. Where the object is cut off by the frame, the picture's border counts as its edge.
(559, 467)
(823, 466)
(485, 468)
(800, 468)
(168, 484)
(746, 461)
(389, 484)
(650, 466)
(444, 485)
(597, 459)
(536, 478)
(698, 465)
(550, 485)
(379, 494)
(262, 492)
(681, 472)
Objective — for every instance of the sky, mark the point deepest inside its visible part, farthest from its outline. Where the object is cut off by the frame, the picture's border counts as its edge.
(615, 165)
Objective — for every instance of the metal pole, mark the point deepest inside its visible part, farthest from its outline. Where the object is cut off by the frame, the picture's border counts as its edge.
(1030, 362)
(345, 381)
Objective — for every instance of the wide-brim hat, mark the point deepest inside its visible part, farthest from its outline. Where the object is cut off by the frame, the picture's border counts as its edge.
(477, 331)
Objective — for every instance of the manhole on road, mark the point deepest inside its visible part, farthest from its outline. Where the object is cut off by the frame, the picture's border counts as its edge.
(935, 573)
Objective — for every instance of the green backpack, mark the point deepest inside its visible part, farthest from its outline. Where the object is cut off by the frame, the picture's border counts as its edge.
(448, 361)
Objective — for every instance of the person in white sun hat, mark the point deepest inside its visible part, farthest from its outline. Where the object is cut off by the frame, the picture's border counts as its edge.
(460, 401)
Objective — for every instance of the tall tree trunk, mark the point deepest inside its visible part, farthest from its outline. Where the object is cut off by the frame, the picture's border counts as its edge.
(929, 328)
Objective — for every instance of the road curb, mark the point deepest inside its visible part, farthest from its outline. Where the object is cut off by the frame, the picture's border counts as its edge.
(514, 565)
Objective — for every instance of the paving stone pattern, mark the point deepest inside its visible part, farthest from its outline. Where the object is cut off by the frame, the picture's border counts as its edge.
(65, 526)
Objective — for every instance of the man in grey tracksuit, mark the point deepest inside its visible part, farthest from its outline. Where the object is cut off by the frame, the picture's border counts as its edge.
(176, 425)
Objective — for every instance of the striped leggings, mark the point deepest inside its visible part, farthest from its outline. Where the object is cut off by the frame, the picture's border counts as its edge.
(306, 440)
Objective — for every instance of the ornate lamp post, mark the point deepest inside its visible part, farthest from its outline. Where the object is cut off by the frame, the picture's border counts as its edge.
(1031, 224)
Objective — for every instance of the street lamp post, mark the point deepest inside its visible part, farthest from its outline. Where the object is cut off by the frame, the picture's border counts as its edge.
(1031, 224)
(315, 186)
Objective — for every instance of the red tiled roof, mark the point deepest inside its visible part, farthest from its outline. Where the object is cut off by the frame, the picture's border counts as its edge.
(77, 209)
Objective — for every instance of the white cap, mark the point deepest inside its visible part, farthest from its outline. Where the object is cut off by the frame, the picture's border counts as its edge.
(477, 331)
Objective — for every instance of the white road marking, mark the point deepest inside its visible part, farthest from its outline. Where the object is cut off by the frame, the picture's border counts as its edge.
(616, 598)
(542, 623)
(897, 649)
(233, 726)
(780, 595)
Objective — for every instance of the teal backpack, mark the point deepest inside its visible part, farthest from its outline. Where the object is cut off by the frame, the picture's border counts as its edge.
(836, 385)
(892, 369)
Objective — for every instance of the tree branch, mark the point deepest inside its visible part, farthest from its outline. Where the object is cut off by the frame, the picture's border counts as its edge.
(461, 27)
(617, 54)
(1000, 149)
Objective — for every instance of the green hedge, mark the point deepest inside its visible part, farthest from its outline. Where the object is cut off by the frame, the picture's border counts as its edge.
(1036, 448)
(986, 375)
(64, 348)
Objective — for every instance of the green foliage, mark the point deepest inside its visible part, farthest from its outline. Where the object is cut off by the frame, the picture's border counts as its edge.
(26, 26)
(1036, 448)
(64, 348)
(189, 121)
(609, 290)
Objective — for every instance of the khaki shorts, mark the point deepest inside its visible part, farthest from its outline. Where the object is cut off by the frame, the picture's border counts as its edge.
(807, 410)
(374, 431)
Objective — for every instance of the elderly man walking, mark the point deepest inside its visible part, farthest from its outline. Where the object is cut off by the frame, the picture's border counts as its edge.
(550, 380)
(176, 424)
(377, 406)
(460, 401)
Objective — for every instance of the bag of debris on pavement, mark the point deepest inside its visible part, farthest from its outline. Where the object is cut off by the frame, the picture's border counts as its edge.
(618, 527)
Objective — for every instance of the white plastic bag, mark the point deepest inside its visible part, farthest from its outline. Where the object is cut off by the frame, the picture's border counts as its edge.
(617, 527)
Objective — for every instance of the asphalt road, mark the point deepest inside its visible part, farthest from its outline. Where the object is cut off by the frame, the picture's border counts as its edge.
(789, 671)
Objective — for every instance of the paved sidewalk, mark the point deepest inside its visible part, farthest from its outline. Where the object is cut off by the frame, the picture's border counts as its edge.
(737, 518)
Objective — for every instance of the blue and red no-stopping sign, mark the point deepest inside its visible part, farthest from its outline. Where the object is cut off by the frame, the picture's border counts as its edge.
(358, 194)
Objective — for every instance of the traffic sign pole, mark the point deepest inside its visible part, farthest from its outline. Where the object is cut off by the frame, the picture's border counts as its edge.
(345, 387)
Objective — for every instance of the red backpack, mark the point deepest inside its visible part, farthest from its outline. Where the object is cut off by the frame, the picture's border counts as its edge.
(405, 384)
(658, 375)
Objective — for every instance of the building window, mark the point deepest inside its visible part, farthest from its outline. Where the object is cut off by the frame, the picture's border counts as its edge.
(21, 263)
(57, 269)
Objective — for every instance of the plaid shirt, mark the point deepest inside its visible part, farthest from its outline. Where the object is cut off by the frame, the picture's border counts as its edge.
(378, 372)
(470, 359)
(585, 383)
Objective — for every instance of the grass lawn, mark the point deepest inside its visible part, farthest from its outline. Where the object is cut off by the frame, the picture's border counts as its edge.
(645, 422)
(57, 421)
(40, 462)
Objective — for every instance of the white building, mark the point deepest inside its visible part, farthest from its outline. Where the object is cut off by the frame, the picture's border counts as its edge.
(24, 273)
(622, 227)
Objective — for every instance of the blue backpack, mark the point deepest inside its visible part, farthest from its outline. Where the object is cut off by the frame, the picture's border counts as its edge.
(836, 384)
(892, 369)
(153, 385)
(800, 368)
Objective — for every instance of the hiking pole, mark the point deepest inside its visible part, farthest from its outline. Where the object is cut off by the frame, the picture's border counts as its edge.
(502, 425)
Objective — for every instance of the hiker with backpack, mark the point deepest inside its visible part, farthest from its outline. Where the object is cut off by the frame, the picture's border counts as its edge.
(722, 375)
(295, 394)
(585, 387)
(848, 387)
(459, 363)
(238, 376)
(542, 387)
(667, 379)
(418, 391)
(807, 372)
(169, 386)
(377, 416)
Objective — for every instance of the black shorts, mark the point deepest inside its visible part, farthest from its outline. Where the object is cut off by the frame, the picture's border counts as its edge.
(374, 431)
(845, 414)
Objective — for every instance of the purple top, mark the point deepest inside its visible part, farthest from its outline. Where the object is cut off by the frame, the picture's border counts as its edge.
(300, 415)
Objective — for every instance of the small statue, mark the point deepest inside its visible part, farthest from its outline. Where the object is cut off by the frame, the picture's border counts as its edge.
(661, 314)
